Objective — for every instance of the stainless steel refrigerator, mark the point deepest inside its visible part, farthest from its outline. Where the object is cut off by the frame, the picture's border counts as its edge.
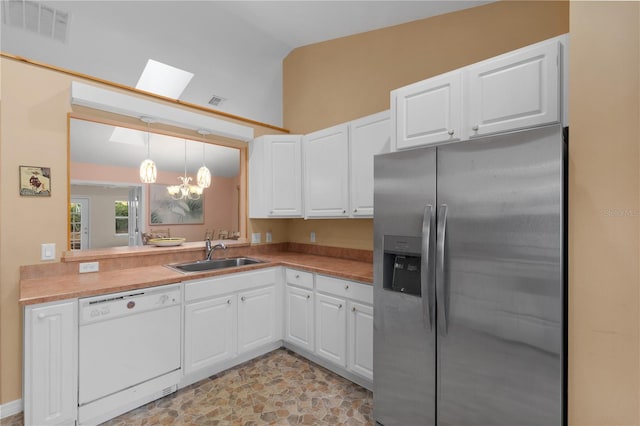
(470, 282)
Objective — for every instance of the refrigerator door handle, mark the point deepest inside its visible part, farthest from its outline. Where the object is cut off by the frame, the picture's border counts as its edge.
(441, 279)
(425, 263)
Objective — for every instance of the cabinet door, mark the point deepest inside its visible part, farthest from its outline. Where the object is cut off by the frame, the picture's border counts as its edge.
(516, 90)
(284, 160)
(275, 176)
(326, 165)
(368, 136)
(361, 339)
(209, 332)
(299, 317)
(257, 318)
(331, 327)
(427, 112)
(51, 368)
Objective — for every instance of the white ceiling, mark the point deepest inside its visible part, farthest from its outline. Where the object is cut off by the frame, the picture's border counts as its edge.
(234, 48)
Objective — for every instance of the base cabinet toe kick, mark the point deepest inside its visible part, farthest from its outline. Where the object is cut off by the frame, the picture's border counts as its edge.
(91, 359)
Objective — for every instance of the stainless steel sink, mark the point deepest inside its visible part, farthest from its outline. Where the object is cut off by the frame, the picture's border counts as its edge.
(214, 264)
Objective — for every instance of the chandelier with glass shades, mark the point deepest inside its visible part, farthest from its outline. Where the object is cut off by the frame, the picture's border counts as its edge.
(185, 191)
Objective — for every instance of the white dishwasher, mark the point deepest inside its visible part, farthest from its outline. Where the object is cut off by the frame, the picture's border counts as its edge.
(129, 350)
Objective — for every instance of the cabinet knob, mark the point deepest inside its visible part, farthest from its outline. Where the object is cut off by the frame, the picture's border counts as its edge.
(475, 128)
(355, 210)
(451, 132)
(308, 296)
(344, 211)
(228, 301)
(346, 286)
(353, 309)
(41, 316)
(340, 306)
(243, 298)
(297, 275)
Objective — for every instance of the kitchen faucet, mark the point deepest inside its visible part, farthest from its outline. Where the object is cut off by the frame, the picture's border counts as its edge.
(210, 249)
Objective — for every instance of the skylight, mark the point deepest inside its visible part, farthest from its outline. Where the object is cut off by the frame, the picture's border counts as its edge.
(163, 79)
(128, 136)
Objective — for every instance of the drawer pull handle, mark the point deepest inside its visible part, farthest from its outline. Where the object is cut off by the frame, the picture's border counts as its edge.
(353, 309)
(475, 128)
(308, 296)
(340, 306)
(451, 132)
(243, 298)
(297, 275)
(346, 286)
(228, 301)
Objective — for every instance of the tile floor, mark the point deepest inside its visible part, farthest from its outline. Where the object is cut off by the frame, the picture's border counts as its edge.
(279, 388)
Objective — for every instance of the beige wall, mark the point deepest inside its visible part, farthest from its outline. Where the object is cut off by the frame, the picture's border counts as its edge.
(604, 204)
(35, 104)
(347, 78)
(332, 82)
(343, 79)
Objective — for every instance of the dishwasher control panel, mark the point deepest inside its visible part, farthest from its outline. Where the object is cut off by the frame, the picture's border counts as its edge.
(115, 305)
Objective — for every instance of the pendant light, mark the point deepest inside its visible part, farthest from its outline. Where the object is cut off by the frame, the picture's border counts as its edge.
(203, 178)
(148, 171)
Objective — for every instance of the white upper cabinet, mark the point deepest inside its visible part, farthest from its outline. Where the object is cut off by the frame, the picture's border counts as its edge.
(326, 172)
(517, 90)
(513, 91)
(275, 176)
(428, 112)
(368, 137)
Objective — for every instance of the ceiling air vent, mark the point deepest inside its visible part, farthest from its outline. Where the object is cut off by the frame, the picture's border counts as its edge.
(216, 100)
(36, 17)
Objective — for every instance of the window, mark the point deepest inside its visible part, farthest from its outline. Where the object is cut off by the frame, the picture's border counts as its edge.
(122, 217)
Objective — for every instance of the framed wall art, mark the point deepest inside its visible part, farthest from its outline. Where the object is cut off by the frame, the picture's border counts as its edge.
(164, 210)
(35, 181)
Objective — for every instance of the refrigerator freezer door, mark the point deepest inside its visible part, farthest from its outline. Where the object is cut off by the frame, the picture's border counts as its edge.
(404, 335)
(500, 356)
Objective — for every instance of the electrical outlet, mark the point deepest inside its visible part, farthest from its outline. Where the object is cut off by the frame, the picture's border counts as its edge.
(269, 237)
(256, 237)
(89, 267)
(48, 251)
(312, 237)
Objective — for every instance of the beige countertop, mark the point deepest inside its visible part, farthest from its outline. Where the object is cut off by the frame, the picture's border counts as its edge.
(48, 289)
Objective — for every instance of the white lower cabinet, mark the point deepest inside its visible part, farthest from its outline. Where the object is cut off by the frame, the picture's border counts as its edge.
(50, 363)
(360, 339)
(209, 332)
(257, 318)
(331, 328)
(299, 317)
(228, 319)
(228, 316)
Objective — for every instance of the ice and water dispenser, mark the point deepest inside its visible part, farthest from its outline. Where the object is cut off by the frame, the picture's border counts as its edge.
(402, 264)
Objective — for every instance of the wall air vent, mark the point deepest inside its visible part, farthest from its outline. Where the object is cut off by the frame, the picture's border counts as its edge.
(216, 100)
(37, 18)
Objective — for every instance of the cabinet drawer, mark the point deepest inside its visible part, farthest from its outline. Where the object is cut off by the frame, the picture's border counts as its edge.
(225, 284)
(345, 288)
(299, 278)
